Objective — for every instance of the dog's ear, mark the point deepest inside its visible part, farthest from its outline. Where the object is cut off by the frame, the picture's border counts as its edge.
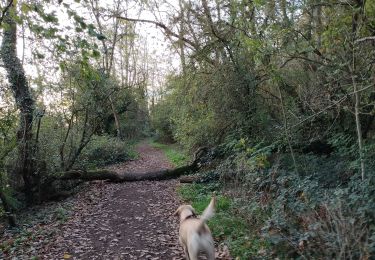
(177, 212)
(192, 210)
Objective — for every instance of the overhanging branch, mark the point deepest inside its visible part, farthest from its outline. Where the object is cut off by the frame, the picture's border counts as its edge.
(5, 10)
(162, 26)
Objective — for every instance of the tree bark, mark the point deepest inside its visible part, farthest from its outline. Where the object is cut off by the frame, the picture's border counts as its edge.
(108, 55)
(283, 7)
(103, 174)
(358, 127)
(356, 19)
(287, 134)
(181, 35)
(23, 98)
(125, 177)
(189, 179)
(167, 31)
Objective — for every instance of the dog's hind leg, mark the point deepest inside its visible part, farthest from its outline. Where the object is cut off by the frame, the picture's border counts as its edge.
(186, 253)
(211, 255)
(193, 251)
(194, 256)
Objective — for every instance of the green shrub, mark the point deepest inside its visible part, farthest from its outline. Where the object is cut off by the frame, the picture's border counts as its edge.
(61, 214)
(161, 122)
(323, 211)
(105, 150)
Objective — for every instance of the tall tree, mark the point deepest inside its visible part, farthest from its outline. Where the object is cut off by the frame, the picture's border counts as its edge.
(22, 96)
(109, 49)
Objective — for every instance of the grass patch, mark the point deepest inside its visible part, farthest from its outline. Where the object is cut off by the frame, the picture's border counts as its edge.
(173, 152)
(227, 225)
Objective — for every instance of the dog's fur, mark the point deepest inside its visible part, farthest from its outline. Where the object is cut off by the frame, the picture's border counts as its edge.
(195, 236)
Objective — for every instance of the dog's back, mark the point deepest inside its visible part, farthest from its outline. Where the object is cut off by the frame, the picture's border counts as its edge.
(196, 236)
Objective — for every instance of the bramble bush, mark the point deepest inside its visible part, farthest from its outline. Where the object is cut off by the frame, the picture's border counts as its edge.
(321, 212)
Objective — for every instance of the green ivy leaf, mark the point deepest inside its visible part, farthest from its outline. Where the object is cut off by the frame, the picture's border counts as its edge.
(39, 55)
(95, 54)
(100, 37)
(25, 8)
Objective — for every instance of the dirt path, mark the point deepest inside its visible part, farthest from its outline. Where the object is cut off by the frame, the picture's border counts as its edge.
(111, 221)
(130, 221)
(150, 159)
(127, 220)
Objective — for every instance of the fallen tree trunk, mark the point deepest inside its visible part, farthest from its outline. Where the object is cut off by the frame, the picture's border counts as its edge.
(189, 179)
(122, 177)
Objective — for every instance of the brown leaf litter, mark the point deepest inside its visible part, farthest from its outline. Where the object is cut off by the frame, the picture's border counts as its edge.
(106, 220)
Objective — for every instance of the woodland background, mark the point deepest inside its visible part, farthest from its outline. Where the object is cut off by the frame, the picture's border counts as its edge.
(281, 92)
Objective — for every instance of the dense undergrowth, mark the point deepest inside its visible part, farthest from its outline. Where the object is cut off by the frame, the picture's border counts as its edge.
(320, 211)
(283, 93)
(227, 227)
(99, 152)
(269, 209)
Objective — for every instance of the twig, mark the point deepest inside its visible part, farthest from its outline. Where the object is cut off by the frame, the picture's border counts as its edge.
(5, 10)
(161, 25)
(286, 129)
(370, 38)
(332, 105)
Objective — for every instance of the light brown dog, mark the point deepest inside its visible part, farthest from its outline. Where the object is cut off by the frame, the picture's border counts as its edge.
(195, 236)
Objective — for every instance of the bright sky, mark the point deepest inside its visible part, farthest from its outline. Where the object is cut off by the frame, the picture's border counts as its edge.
(159, 48)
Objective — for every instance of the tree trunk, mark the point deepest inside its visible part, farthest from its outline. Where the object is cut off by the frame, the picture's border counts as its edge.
(103, 174)
(357, 17)
(115, 116)
(108, 55)
(283, 7)
(23, 98)
(123, 177)
(318, 24)
(181, 35)
(287, 134)
(358, 128)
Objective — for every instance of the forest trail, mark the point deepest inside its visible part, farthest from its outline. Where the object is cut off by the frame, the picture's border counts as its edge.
(114, 220)
(150, 159)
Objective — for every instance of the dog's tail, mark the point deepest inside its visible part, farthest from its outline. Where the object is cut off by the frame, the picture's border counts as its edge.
(210, 210)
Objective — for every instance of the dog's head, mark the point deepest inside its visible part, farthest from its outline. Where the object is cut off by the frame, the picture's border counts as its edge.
(185, 211)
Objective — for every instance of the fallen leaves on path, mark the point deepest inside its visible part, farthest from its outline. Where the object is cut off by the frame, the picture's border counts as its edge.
(121, 221)
(105, 220)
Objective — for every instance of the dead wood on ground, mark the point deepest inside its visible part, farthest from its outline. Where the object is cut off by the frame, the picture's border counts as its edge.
(103, 174)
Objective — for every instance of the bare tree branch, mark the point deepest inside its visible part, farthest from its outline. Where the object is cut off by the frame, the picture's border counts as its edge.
(164, 27)
(5, 10)
(330, 106)
(370, 38)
